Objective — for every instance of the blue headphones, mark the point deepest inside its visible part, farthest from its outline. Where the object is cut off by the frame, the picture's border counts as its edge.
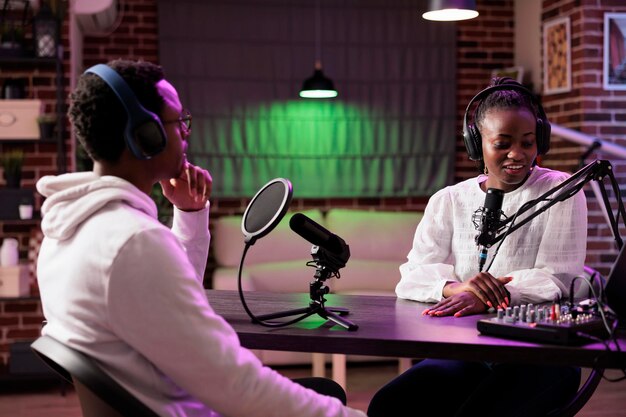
(144, 133)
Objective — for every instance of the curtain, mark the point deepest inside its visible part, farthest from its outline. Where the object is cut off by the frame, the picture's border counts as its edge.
(238, 67)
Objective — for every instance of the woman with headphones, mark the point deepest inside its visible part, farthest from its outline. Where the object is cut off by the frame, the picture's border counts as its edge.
(535, 264)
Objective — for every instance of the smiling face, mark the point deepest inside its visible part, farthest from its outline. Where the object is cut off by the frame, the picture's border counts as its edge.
(509, 146)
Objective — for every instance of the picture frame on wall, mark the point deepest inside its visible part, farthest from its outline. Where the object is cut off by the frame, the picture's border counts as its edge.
(614, 65)
(517, 73)
(557, 56)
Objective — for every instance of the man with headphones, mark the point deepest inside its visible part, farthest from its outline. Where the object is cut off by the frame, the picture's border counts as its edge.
(124, 289)
(505, 134)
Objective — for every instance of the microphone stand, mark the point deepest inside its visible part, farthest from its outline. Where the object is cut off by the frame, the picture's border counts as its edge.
(595, 171)
(317, 290)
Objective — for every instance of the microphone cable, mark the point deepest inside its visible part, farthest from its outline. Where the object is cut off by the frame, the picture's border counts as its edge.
(254, 318)
(572, 191)
(611, 330)
(506, 233)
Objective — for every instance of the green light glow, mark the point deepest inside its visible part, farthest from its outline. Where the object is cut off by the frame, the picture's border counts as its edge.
(318, 93)
(326, 148)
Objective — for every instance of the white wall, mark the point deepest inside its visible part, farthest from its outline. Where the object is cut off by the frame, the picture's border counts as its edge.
(528, 40)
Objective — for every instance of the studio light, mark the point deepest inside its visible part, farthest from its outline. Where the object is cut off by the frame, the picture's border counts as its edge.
(450, 10)
(318, 85)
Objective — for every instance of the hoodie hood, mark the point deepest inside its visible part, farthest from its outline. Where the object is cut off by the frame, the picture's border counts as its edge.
(73, 198)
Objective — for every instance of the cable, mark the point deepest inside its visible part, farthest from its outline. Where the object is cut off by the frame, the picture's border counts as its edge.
(506, 233)
(574, 189)
(601, 307)
(254, 318)
(610, 330)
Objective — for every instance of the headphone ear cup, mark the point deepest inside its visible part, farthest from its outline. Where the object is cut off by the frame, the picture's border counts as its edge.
(543, 136)
(473, 143)
(144, 132)
(146, 139)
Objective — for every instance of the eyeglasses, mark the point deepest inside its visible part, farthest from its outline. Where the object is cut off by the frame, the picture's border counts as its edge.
(184, 120)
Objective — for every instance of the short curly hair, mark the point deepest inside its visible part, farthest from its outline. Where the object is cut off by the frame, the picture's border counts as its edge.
(98, 117)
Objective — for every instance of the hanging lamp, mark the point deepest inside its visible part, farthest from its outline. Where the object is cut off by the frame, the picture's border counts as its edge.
(318, 85)
(450, 10)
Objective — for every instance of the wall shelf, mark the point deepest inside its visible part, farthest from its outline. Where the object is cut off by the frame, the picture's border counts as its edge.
(59, 140)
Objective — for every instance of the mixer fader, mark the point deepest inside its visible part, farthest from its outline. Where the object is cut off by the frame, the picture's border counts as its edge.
(545, 323)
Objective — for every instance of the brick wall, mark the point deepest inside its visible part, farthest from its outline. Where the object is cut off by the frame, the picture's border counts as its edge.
(588, 108)
(483, 44)
(136, 37)
(19, 320)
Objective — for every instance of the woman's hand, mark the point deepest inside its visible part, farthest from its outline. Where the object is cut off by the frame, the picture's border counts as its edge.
(484, 286)
(191, 190)
(461, 304)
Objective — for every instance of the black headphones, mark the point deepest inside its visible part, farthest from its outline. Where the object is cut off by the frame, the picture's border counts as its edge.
(144, 134)
(471, 135)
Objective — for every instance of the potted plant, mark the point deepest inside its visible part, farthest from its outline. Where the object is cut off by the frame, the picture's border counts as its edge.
(11, 162)
(47, 123)
(11, 39)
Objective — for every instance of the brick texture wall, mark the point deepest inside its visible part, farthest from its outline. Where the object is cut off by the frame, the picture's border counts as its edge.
(483, 44)
(137, 37)
(19, 320)
(588, 108)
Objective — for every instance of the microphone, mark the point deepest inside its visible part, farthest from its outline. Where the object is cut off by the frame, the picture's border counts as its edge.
(487, 220)
(316, 234)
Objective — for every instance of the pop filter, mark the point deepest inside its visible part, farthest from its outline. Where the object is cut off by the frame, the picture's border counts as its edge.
(266, 209)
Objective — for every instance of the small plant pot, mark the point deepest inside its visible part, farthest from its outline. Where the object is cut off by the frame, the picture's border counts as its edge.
(13, 180)
(46, 130)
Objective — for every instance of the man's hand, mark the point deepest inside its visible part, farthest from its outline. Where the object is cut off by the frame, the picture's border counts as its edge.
(483, 285)
(461, 304)
(191, 190)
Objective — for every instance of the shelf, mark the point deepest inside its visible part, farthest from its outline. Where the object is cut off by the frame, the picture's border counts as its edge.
(27, 141)
(59, 139)
(26, 60)
(35, 220)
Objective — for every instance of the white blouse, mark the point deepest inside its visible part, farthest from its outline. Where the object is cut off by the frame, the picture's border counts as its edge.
(543, 256)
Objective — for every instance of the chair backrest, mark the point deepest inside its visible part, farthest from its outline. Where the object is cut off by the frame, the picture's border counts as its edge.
(582, 396)
(98, 393)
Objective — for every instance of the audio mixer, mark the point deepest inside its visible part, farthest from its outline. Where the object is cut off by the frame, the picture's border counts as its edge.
(550, 324)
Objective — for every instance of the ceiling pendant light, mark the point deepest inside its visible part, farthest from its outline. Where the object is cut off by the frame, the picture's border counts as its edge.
(318, 85)
(450, 10)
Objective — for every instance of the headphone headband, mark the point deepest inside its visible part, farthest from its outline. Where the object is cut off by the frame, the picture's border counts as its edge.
(144, 133)
(471, 134)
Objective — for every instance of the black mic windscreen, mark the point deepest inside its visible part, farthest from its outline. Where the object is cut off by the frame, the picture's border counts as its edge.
(493, 199)
(315, 233)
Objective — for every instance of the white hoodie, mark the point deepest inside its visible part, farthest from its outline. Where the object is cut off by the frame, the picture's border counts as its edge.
(124, 289)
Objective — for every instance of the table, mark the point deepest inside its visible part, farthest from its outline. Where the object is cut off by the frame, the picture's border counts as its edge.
(395, 328)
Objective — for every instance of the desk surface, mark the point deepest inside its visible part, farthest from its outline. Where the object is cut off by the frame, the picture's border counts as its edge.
(393, 327)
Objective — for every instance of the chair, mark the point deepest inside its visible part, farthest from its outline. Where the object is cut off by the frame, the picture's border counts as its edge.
(98, 393)
(582, 396)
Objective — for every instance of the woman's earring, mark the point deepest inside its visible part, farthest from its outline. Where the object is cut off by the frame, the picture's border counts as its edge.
(486, 171)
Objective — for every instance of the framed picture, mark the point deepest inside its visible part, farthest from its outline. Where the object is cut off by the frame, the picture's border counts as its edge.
(517, 73)
(614, 72)
(556, 56)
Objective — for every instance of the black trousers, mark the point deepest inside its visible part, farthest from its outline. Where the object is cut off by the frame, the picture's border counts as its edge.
(323, 386)
(458, 388)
